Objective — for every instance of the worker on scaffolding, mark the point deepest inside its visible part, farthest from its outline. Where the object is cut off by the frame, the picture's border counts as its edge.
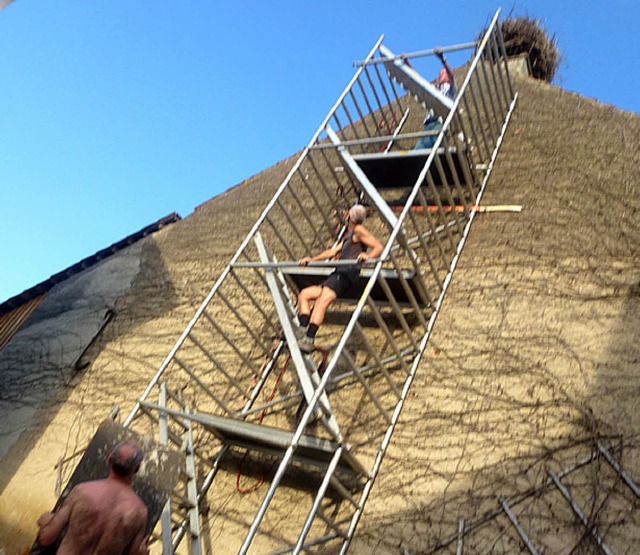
(446, 85)
(101, 516)
(446, 81)
(353, 246)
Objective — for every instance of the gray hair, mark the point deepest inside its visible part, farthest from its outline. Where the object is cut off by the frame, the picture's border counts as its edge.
(357, 213)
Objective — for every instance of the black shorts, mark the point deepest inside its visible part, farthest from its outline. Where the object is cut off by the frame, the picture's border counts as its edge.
(341, 282)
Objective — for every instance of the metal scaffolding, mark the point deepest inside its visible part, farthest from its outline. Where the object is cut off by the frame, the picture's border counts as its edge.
(584, 516)
(236, 392)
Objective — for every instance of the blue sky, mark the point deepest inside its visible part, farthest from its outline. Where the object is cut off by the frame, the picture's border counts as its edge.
(115, 113)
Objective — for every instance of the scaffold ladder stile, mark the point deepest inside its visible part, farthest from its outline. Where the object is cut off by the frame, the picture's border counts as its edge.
(236, 385)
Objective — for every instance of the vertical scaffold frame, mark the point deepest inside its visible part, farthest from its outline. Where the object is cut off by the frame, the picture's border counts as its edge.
(317, 434)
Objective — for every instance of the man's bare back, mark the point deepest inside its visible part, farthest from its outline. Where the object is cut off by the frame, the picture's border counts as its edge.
(102, 517)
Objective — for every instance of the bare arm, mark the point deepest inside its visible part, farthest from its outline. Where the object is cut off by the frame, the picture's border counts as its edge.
(324, 255)
(446, 66)
(449, 72)
(364, 236)
(52, 524)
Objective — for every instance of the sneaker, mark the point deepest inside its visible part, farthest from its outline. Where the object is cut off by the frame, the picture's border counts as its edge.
(300, 332)
(306, 344)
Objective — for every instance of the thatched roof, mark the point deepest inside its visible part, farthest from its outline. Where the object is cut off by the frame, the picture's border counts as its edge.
(534, 356)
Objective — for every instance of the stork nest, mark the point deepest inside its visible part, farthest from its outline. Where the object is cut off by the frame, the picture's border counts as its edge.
(528, 36)
(525, 35)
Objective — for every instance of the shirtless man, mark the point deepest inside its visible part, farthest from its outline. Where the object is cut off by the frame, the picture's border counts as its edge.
(101, 517)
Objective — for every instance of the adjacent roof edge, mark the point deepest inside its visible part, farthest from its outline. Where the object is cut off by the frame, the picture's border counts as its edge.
(48, 284)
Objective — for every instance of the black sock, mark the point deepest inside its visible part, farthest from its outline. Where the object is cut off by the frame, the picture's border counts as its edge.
(312, 330)
(304, 319)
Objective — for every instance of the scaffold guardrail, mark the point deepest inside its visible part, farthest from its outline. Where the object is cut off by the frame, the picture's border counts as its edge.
(236, 390)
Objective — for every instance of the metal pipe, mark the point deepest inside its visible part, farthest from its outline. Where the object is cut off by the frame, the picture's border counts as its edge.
(163, 439)
(318, 541)
(287, 217)
(456, 179)
(423, 343)
(425, 250)
(440, 214)
(499, 62)
(283, 242)
(483, 113)
(202, 385)
(469, 172)
(330, 196)
(417, 54)
(591, 527)
(318, 499)
(248, 327)
(504, 57)
(365, 97)
(215, 362)
(250, 296)
(408, 291)
(362, 119)
(380, 109)
(296, 264)
(397, 131)
(447, 191)
(434, 233)
(352, 125)
(497, 81)
(397, 310)
(496, 115)
(413, 257)
(627, 480)
(338, 122)
(319, 206)
(378, 364)
(244, 357)
(246, 409)
(192, 490)
(338, 199)
(515, 500)
(376, 401)
(472, 110)
(389, 103)
(519, 529)
(460, 537)
(374, 140)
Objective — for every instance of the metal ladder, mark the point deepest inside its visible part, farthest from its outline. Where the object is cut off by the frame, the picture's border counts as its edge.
(316, 432)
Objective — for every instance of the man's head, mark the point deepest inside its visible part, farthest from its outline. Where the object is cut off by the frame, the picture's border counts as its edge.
(357, 213)
(125, 458)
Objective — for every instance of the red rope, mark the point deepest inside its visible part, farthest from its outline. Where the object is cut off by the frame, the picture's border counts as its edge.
(262, 478)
